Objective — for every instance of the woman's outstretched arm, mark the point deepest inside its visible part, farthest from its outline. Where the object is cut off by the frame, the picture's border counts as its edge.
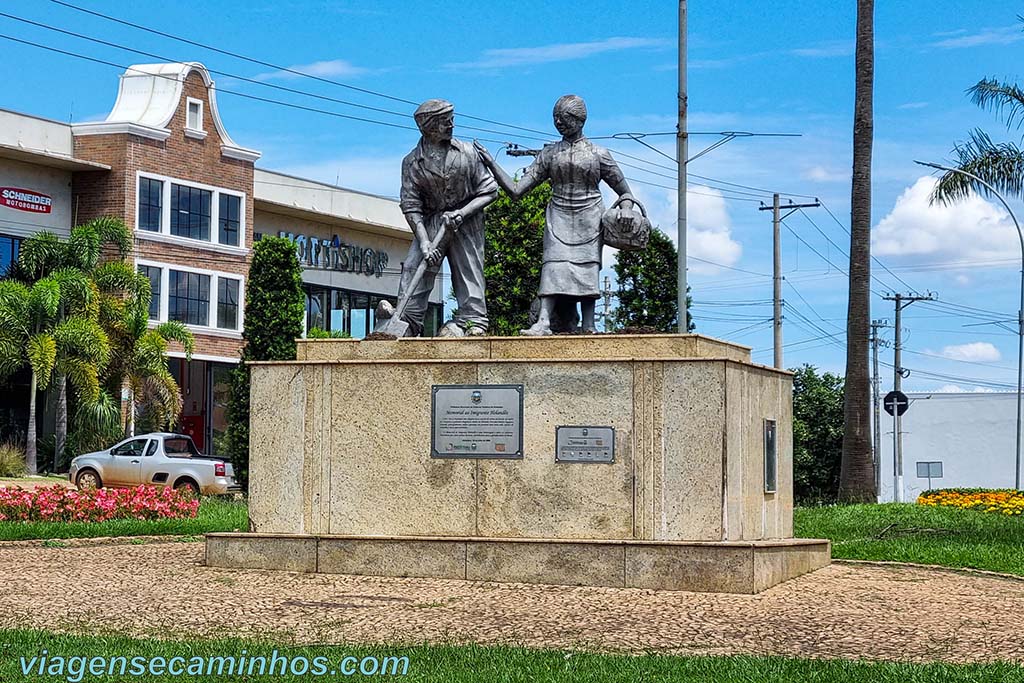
(516, 189)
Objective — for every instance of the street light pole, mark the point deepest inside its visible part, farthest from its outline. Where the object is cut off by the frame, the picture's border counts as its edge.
(1020, 309)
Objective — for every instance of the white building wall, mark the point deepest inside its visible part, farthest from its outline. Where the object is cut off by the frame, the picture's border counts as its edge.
(54, 182)
(971, 434)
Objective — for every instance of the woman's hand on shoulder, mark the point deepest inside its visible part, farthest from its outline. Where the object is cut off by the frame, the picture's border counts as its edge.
(485, 156)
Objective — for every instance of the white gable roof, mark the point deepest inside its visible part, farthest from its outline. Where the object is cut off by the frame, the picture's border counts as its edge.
(147, 98)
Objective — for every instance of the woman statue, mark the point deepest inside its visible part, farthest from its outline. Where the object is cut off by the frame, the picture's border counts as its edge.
(575, 166)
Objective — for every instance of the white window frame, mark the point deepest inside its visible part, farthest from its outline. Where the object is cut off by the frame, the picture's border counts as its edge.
(213, 244)
(210, 328)
(194, 131)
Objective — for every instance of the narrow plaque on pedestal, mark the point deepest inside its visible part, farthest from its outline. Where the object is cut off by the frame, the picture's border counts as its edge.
(585, 444)
(477, 421)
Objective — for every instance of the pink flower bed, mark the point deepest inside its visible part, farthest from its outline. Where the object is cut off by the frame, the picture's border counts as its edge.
(60, 504)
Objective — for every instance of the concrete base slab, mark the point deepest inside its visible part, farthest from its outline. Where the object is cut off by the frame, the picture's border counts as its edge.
(719, 567)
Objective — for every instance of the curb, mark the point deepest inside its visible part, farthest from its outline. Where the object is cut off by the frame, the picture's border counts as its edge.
(934, 567)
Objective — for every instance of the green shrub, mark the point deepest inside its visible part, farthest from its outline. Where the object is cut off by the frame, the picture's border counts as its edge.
(320, 333)
(12, 460)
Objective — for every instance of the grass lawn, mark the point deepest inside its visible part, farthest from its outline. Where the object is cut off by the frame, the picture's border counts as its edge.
(215, 514)
(916, 533)
(476, 663)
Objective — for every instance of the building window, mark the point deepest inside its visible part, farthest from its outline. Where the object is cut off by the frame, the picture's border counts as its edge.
(770, 456)
(194, 120)
(154, 275)
(230, 219)
(9, 248)
(227, 303)
(151, 193)
(188, 298)
(190, 212)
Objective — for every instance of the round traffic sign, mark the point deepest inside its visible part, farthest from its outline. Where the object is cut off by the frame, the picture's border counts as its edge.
(896, 403)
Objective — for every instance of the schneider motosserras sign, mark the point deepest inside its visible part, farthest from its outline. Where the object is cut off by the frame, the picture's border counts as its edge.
(21, 199)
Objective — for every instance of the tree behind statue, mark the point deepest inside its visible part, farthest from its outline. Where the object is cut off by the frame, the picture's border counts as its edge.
(648, 287)
(513, 258)
(273, 321)
(817, 435)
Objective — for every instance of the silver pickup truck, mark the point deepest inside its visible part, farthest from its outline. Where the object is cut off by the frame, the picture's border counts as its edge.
(160, 459)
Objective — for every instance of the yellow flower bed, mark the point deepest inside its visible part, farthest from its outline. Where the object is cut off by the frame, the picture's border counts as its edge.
(1000, 501)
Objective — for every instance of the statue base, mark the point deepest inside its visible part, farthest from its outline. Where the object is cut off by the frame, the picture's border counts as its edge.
(726, 567)
(689, 485)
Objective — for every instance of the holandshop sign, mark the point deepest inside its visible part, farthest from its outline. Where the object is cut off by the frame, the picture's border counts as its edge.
(333, 254)
(25, 200)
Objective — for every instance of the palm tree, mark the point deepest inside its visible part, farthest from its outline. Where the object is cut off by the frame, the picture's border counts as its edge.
(33, 333)
(1000, 164)
(44, 254)
(856, 478)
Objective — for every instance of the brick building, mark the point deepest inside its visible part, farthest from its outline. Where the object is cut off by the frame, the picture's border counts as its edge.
(163, 162)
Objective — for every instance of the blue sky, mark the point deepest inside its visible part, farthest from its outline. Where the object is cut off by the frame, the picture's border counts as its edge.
(784, 67)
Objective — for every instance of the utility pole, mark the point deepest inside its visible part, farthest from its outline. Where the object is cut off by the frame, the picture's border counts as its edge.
(876, 385)
(777, 219)
(902, 301)
(681, 156)
(607, 294)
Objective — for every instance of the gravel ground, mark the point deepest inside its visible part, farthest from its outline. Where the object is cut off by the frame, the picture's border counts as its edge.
(843, 611)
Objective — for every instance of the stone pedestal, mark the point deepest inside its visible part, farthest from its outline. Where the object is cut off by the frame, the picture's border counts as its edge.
(342, 479)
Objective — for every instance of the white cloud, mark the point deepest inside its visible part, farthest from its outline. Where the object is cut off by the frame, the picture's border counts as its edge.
(1004, 35)
(975, 352)
(336, 68)
(708, 229)
(832, 48)
(973, 229)
(962, 280)
(561, 52)
(913, 105)
(957, 389)
(820, 174)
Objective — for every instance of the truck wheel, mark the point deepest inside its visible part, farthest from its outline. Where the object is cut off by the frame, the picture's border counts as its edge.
(187, 485)
(88, 479)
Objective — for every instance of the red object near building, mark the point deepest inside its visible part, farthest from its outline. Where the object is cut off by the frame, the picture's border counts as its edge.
(194, 426)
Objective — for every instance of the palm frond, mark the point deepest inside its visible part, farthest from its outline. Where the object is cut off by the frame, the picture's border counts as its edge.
(15, 303)
(97, 424)
(42, 353)
(12, 355)
(150, 355)
(84, 247)
(83, 377)
(114, 232)
(82, 339)
(999, 164)
(76, 291)
(40, 255)
(174, 330)
(44, 302)
(1003, 99)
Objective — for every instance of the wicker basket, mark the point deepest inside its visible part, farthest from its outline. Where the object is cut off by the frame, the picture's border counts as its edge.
(628, 230)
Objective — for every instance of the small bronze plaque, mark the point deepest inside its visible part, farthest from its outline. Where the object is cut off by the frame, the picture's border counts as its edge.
(477, 421)
(585, 444)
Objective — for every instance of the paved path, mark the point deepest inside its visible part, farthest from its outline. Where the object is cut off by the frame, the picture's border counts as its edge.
(35, 482)
(162, 589)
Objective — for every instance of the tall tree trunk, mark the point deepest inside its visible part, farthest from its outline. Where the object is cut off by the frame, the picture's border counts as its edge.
(30, 439)
(856, 478)
(130, 421)
(60, 432)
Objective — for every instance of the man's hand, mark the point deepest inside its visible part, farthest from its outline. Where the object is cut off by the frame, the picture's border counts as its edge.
(431, 257)
(452, 220)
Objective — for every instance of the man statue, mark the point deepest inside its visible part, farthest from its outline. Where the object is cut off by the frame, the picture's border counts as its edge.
(445, 186)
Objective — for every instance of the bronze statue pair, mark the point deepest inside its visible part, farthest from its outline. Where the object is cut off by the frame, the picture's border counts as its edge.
(446, 183)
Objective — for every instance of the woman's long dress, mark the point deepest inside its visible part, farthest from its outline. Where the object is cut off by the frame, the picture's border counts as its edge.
(572, 236)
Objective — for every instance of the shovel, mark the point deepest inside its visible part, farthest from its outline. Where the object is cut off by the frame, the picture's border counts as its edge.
(394, 325)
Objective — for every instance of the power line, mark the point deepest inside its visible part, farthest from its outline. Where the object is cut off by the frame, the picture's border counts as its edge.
(276, 67)
(253, 81)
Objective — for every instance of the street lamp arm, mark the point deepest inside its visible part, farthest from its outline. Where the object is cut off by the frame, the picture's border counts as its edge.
(1020, 310)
